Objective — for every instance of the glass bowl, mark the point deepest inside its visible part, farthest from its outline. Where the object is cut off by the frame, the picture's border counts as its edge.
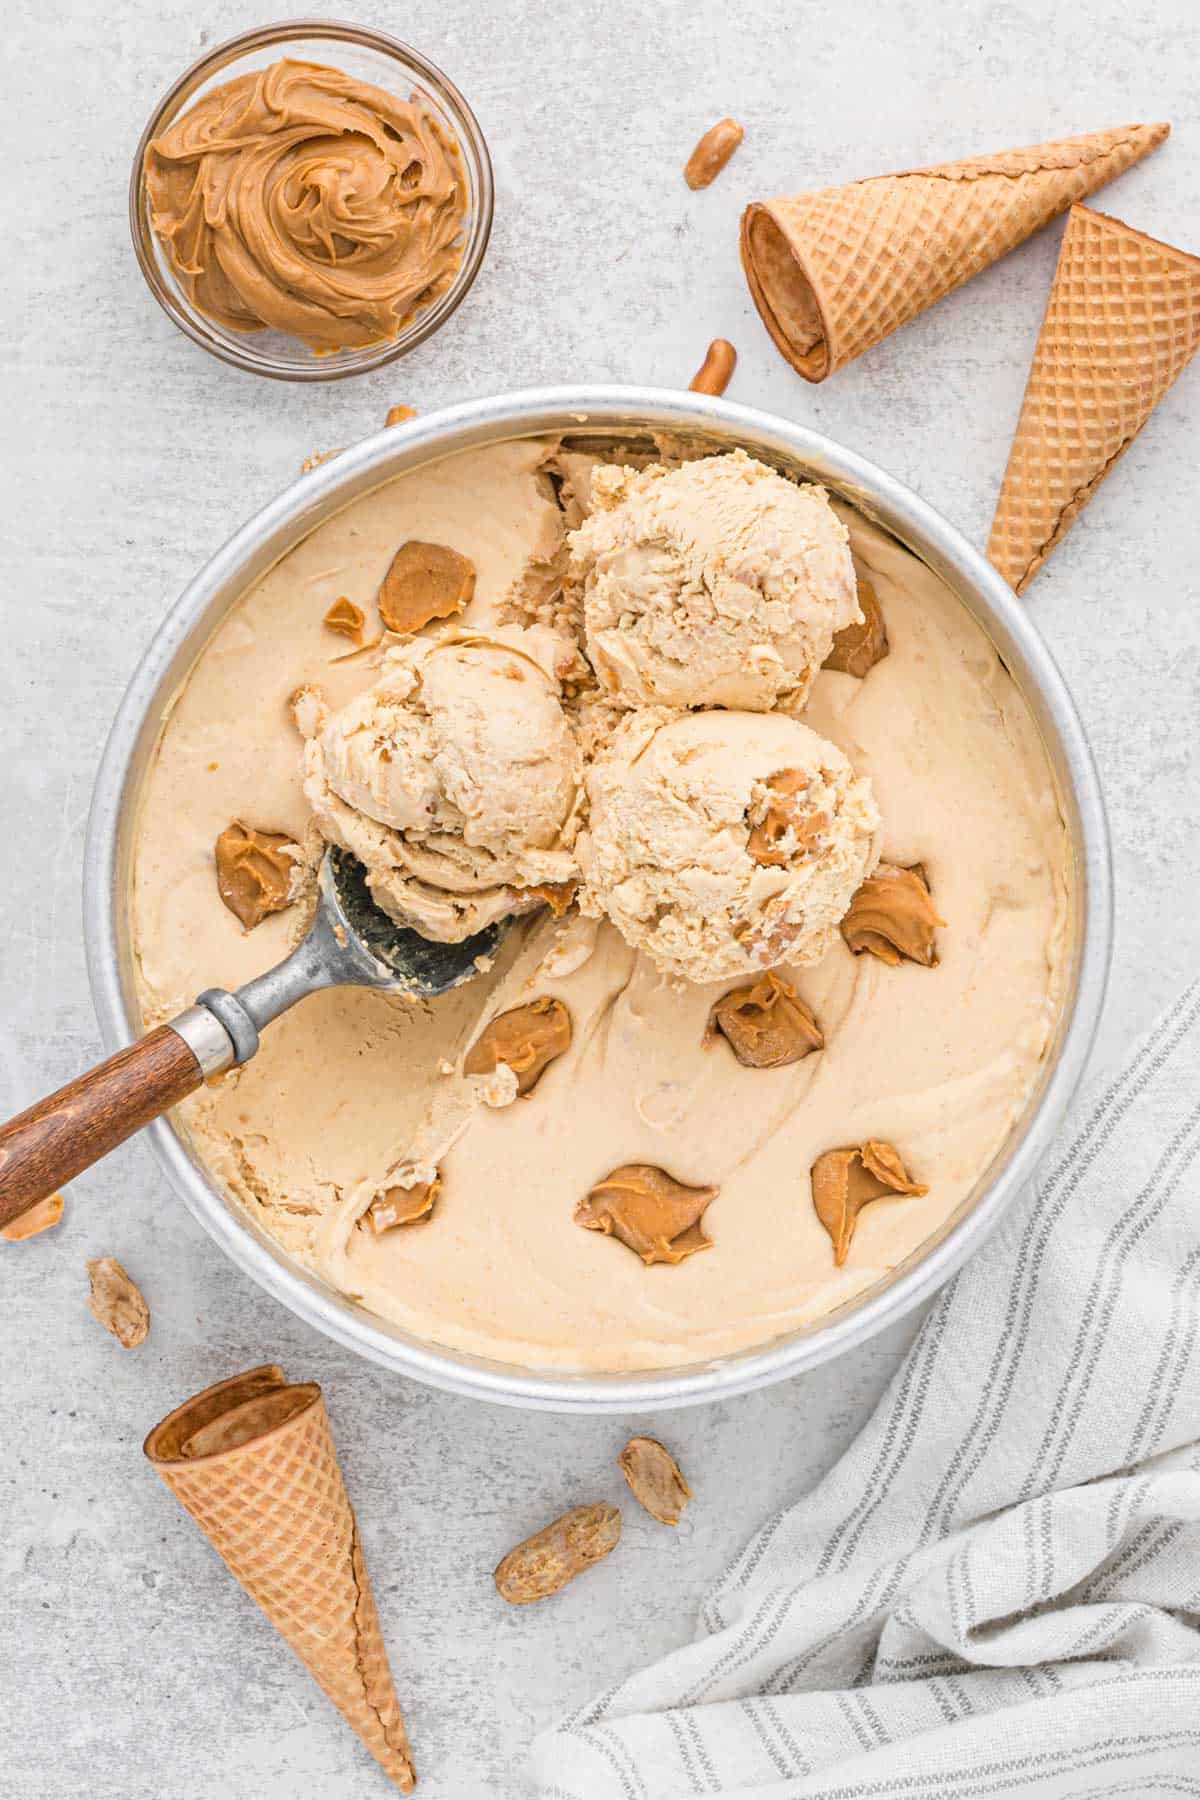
(370, 56)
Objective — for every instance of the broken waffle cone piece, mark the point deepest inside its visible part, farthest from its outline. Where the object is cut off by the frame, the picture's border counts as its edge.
(1121, 323)
(252, 1460)
(835, 270)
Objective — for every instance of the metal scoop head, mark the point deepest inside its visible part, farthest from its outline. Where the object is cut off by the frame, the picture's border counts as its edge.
(383, 953)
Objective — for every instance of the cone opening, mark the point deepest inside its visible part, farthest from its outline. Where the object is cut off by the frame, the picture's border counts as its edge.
(223, 1418)
(784, 295)
(247, 1422)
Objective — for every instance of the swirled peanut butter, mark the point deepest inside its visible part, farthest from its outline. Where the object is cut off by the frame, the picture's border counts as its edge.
(299, 198)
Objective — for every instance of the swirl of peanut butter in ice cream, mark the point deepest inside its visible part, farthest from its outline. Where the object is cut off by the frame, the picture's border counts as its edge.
(299, 198)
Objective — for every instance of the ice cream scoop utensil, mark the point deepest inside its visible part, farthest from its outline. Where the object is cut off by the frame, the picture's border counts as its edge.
(350, 943)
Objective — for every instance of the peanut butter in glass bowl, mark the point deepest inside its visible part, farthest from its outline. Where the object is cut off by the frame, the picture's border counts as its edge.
(311, 201)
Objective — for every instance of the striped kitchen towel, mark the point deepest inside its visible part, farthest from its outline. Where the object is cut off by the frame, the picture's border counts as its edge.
(996, 1591)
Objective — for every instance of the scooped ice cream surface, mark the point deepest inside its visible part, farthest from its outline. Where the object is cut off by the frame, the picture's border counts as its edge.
(455, 779)
(717, 583)
(725, 842)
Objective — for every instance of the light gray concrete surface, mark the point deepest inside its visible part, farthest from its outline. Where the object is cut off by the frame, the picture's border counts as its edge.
(130, 1665)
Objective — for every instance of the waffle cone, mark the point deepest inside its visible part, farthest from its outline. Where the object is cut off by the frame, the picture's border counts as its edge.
(252, 1460)
(1122, 321)
(835, 270)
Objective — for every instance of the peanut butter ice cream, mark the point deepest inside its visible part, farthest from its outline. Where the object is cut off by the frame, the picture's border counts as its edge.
(300, 198)
(723, 843)
(714, 584)
(455, 778)
(581, 1162)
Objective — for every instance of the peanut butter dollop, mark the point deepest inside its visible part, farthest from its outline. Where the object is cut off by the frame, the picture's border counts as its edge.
(857, 648)
(424, 582)
(346, 617)
(765, 1023)
(892, 916)
(558, 895)
(844, 1181)
(403, 1204)
(783, 827)
(254, 871)
(653, 1214)
(299, 198)
(527, 1038)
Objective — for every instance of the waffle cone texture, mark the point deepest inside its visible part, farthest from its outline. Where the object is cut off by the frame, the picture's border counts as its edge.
(1122, 322)
(252, 1460)
(835, 270)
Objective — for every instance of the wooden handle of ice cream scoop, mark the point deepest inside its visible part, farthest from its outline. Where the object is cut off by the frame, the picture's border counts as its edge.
(49, 1143)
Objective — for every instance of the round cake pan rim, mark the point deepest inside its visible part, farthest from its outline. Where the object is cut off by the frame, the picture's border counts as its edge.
(564, 410)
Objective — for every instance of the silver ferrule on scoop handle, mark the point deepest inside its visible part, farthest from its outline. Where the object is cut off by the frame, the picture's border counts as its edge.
(223, 1028)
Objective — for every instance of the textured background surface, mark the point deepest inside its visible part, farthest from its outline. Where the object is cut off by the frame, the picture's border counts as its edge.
(132, 1667)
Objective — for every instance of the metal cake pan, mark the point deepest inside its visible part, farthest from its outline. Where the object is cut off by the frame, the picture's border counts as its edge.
(583, 412)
